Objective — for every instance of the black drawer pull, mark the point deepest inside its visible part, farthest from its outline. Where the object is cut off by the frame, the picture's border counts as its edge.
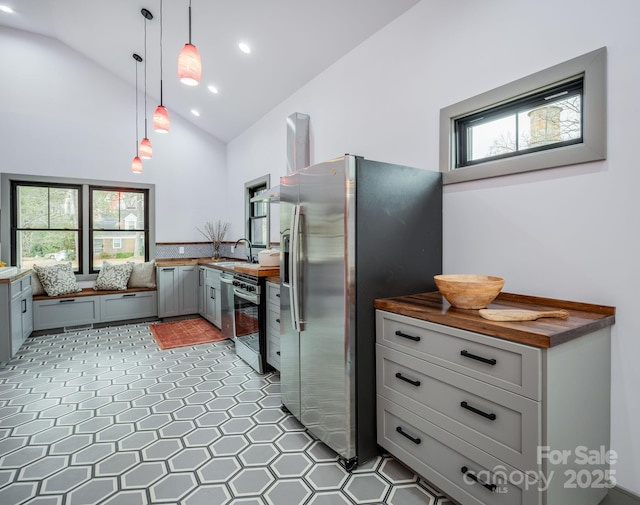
(168, 269)
(410, 337)
(414, 440)
(278, 320)
(68, 300)
(129, 295)
(278, 295)
(490, 487)
(465, 405)
(24, 306)
(278, 353)
(467, 354)
(403, 378)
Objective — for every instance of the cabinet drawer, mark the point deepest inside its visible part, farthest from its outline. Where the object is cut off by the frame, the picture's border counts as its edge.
(273, 319)
(273, 351)
(65, 312)
(440, 457)
(19, 285)
(128, 306)
(273, 293)
(502, 423)
(511, 366)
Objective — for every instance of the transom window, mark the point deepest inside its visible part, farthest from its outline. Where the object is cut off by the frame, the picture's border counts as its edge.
(257, 212)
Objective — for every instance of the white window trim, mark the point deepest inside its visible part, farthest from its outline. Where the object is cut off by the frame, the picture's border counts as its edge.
(593, 148)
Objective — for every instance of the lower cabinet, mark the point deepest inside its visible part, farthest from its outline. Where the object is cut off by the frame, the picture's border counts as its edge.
(16, 309)
(118, 307)
(471, 412)
(273, 324)
(209, 305)
(177, 290)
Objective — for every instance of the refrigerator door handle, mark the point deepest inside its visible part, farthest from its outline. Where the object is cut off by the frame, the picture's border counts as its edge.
(294, 268)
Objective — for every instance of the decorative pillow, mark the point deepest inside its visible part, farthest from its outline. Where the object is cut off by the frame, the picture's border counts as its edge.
(57, 279)
(143, 275)
(36, 285)
(113, 276)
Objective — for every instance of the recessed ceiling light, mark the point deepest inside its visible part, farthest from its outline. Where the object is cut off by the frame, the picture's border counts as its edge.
(244, 47)
(195, 112)
(213, 89)
(7, 9)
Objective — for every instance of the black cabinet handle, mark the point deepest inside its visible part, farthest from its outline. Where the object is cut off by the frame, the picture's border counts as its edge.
(129, 295)
(465, 405)
(278, 320)
(278, 353)
(467, 354)
(169, 269)
(278, 295)
(404, 434)
(472, 476)
(24, 306)
(68, 300)
(410, 337)
(403, 378)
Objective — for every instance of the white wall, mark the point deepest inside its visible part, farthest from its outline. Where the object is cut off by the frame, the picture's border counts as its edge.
(568, 233)
(62, 115)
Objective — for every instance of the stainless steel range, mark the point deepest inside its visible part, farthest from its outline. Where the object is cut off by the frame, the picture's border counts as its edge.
(249, 327)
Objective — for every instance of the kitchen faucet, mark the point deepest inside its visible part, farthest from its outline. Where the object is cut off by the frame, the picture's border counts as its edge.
(250, 257)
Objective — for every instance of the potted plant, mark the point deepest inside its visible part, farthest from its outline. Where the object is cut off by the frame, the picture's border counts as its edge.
(214, 233)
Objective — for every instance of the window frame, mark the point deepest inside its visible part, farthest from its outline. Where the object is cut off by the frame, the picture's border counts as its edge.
(250, 188)
(13, 214)
(85, 274)
(591, 66)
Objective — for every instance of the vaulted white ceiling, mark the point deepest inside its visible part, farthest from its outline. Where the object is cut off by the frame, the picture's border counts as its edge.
(291, 42)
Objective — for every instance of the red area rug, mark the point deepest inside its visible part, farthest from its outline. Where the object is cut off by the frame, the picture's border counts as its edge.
(185, 333)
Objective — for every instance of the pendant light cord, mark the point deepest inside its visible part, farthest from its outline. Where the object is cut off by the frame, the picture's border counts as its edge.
(160, 52)
(145, 78)
(189, 21)
(136, 105)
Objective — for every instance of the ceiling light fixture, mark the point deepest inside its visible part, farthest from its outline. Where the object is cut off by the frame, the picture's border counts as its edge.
(189, 63)
(161, 115)
(146, 150)
(136, 164)
(244, 47)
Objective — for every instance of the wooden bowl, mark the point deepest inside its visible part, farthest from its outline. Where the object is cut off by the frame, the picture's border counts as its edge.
(469, 291)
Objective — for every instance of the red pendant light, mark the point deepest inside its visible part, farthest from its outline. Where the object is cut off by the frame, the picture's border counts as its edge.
(136, 164)
(146, 150)
(189, 62)
(161, 120)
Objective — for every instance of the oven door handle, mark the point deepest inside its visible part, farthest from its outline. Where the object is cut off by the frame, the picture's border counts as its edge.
(245, 296)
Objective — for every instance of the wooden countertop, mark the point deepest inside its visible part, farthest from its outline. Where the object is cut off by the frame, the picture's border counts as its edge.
(546, 332)
(244, 268)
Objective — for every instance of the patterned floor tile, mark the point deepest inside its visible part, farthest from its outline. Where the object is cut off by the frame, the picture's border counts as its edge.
(103, 417)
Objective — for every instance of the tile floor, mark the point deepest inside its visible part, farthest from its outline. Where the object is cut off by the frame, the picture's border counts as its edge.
(104, 417)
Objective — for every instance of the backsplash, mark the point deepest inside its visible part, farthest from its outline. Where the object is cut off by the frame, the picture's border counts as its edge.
(199, 250)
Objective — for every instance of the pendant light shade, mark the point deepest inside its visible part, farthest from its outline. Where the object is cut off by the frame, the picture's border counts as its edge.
(161, 120)
(189, 65)
(146, 150)
(189, 62)
(136, 165)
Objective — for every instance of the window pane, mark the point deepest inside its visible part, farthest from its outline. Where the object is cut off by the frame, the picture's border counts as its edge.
(557, 121)
(118, 247)
(38, 247)
(258, 231)
(116, 210)
(492, 138)
(33, 205)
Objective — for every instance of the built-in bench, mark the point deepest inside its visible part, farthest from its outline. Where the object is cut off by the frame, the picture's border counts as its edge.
(90, 307)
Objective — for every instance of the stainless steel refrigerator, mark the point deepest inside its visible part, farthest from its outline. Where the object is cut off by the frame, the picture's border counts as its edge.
(352, 230)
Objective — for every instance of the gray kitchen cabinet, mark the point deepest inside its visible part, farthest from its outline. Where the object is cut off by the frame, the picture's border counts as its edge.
(16, 309)
(177, 290)
(477, 415)
(201, 290)
(211, 309)
(273, 324)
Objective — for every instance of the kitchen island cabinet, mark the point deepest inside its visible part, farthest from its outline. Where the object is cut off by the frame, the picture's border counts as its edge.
(497, 412)
(273, 324)
(16, 313)
(177, 290)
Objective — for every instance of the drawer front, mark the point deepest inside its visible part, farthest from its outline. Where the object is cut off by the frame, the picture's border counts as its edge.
(502, 423)
(508, 365)
(273, 319)
(66, 312)
(273, 350)
(441, 458)
(128, 306)
(273, 293)
(19, 285)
